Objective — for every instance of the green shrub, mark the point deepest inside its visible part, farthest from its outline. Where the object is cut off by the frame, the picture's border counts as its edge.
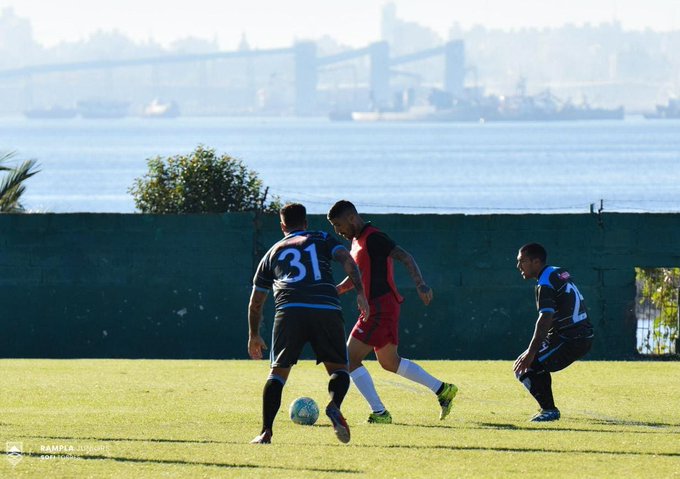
(660, 287)
(201, 182)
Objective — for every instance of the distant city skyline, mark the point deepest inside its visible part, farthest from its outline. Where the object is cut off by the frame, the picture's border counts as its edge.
(268, 23)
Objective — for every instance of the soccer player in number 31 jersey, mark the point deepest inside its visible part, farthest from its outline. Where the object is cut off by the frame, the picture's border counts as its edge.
(298, 269)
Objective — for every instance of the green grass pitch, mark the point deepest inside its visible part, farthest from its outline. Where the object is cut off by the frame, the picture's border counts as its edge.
(122, 418)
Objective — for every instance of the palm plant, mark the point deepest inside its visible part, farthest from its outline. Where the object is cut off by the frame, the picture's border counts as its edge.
(12, 183)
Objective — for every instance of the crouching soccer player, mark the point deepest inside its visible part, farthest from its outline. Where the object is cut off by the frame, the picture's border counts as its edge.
(562, 334)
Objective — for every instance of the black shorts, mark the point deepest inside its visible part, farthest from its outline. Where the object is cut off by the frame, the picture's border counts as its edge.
(323, 329)
(557, 352)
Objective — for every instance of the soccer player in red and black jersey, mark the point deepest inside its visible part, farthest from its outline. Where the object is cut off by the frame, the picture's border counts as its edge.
(375, 252)
(563, 332)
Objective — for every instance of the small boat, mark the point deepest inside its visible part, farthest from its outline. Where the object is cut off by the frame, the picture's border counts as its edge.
(160, 109)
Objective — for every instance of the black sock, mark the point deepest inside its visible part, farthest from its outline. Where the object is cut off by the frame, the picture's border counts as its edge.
(271, 401)
(539, 384)
(338, 385)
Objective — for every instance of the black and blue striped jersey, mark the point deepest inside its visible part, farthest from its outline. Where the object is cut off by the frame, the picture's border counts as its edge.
(556, 293)
(298, 269)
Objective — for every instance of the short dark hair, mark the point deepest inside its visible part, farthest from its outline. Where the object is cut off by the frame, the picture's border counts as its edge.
(341, 208)
(293, 215)
(534, 251)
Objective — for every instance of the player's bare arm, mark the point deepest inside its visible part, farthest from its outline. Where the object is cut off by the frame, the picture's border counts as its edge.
(255, 342)
(354, 276)
(403, 256)
(523, 362)
(345, 285)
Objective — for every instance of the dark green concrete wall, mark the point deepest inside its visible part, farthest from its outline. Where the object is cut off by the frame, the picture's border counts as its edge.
(97, 285)
(89, 285)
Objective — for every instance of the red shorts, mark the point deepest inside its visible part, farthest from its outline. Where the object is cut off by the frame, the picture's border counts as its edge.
(382, 326)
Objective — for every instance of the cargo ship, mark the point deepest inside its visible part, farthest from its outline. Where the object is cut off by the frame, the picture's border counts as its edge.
(442, 107)
(670, 111)
(478, 113)
(51, 113)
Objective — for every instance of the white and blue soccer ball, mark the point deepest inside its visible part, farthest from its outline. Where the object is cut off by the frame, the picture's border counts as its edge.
(304, 411)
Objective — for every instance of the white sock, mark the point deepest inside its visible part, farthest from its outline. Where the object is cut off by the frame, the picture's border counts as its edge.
(412, 371)
(364, 383)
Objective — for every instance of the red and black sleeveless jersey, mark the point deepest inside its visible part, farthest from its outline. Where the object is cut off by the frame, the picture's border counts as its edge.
(371, 251)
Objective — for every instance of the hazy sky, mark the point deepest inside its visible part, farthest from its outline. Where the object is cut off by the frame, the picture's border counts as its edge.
(269, 23)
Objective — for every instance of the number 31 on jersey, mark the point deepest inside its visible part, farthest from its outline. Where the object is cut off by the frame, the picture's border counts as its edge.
(296, 263)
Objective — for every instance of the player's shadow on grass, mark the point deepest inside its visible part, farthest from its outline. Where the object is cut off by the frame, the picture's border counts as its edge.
(157, 440)
(526, 450)
(622, 422)
(538, 428)
(557, 428)
(133, 439)
(225, 465)
(429, 426)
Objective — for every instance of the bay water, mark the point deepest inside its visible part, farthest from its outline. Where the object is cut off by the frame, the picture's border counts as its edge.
(473, 168)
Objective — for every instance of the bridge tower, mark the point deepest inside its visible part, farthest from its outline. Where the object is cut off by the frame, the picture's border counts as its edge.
(454, 69)
(380, 74)
(305, 78)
